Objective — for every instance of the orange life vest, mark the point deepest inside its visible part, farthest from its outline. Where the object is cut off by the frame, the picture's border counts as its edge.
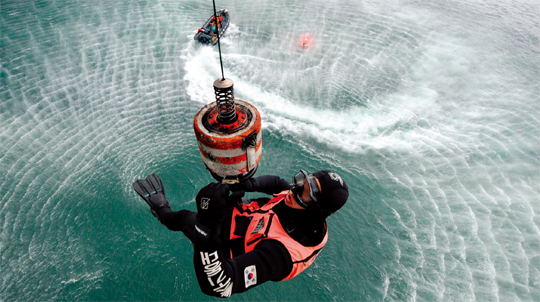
(263, 225)
(220, 21)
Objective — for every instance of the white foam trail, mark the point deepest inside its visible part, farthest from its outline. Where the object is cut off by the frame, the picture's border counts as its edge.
(441, 123)
(352, 130)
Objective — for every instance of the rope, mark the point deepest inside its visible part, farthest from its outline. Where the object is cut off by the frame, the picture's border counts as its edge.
(219, 45)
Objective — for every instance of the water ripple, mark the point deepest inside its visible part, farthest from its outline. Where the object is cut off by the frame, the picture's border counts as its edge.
(426, 110)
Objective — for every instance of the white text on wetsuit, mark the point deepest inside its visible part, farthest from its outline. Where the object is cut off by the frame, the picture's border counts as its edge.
(216, 275)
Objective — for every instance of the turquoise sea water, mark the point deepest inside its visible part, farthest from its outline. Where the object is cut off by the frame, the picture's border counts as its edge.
(429, 109)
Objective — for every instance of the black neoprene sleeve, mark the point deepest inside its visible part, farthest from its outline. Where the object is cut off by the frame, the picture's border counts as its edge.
(269, 184)
(221, 277)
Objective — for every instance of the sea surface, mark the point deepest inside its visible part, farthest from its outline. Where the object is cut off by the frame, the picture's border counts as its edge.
(429, 110)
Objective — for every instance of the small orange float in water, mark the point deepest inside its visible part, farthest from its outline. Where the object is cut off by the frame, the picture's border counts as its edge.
(306, 40)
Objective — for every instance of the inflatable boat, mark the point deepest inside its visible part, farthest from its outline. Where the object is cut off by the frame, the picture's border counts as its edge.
(207, 33)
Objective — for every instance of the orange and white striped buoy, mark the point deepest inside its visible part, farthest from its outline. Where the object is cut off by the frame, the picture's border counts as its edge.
(228, 133)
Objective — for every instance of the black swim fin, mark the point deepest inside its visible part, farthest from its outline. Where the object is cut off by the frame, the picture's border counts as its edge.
(152, 191)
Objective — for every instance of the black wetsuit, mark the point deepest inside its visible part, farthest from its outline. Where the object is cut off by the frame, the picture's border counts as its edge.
(271, 258)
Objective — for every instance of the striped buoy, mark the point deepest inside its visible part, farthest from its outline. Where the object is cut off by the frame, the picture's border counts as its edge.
(228, 133)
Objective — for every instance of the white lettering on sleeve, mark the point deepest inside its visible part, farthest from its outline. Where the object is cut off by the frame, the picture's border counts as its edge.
(205, 258)
(212, 268)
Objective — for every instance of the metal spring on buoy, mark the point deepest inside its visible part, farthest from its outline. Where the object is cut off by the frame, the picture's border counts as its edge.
(225, 101)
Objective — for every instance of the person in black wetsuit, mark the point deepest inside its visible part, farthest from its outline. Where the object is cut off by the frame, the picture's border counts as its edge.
(239, 243)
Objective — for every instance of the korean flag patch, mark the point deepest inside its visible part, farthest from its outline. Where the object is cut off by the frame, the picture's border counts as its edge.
(250, 275)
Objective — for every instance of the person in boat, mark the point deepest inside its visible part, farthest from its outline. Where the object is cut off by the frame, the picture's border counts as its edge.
(213, 23)
(240, 243)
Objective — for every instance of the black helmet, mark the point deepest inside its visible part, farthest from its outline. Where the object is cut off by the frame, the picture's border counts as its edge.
(334, 191)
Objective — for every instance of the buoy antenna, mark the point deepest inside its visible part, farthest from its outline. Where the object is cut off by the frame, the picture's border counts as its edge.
(218, 44)
(224, 92)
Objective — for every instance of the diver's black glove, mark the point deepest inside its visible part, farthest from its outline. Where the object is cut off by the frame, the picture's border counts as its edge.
(245, 186)
(152, 191)
(213, 206)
